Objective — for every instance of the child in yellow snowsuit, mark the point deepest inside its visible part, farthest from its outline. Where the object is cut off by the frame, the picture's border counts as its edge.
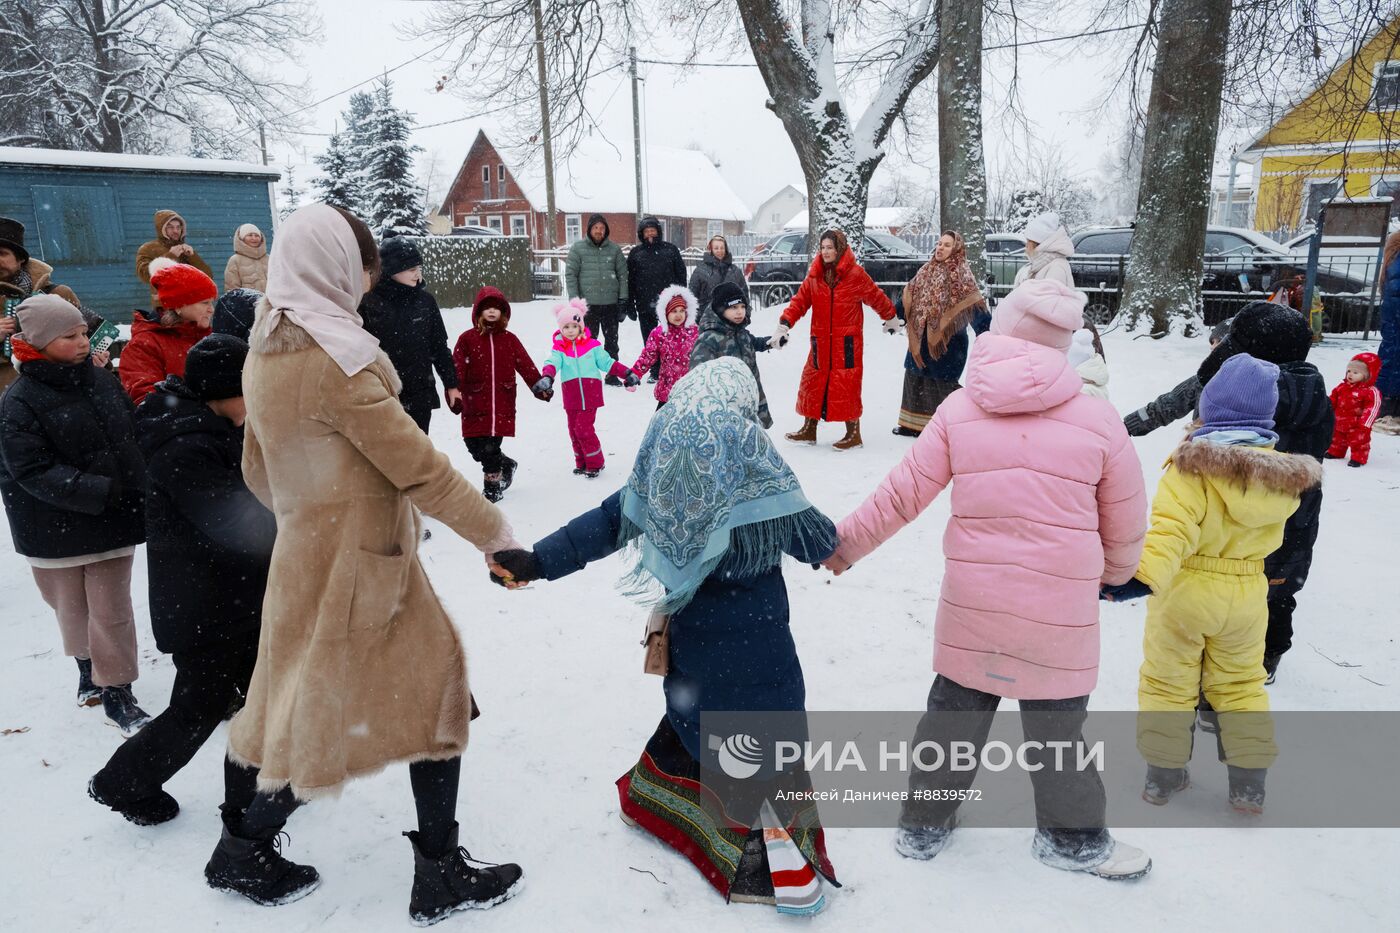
(1219, 511)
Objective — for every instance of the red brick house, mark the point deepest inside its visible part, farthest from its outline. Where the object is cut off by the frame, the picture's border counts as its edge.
(682, 188)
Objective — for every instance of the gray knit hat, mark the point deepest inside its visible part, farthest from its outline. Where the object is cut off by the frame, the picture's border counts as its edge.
(45, 318)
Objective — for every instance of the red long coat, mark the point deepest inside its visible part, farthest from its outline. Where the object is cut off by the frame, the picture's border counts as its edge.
(487, 361)
(154, 352)
(830, 388)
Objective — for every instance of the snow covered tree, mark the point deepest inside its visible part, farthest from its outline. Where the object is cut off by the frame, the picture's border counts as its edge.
(962, 167)
(1024, 204)
(357, 140)
(290, 193)
(393, 200)
(336, 184)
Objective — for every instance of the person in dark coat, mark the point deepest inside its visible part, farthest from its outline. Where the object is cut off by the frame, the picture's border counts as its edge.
(73, 482)
(724, 331)
(730, 647)
(653, 265)
(1177, 402)
(717, 266)
(403, 316)
(208, 547)
(1388, 382)
(487, 359)
(233, 312)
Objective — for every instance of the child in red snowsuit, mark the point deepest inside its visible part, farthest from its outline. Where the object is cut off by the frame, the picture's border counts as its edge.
(581, 363)
(671, 341)
(487, 358)
(1356, 402)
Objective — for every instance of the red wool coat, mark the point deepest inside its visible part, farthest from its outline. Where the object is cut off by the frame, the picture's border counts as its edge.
(830, 388)
(487, 360)
(155, 351)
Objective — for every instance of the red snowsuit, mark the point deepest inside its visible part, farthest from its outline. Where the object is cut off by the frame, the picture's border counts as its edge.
(154, 352)
(830, 388)
(487, 359)
(1355, 406)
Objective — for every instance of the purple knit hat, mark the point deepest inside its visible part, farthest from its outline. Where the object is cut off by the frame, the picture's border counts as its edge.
(1242, 396)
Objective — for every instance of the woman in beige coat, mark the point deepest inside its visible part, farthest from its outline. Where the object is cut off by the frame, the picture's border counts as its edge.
(358, 664)
(247, 267)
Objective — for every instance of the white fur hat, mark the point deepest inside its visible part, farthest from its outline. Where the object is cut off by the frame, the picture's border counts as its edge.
(1042, 227)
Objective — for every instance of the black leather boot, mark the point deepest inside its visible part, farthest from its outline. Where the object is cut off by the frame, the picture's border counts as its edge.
(455, 881)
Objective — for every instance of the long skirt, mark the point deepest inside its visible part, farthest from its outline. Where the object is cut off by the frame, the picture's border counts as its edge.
(664, 795)
(922, 396)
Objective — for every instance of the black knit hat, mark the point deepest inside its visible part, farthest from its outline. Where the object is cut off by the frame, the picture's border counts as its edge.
(725, 295)
(12, 238)
(233, 312)
(1263, 329)
(397, 254)
(214, 367)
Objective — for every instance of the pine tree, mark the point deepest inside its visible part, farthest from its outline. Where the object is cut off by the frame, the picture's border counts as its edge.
(336, 185)
(357, 140)
(1025, 204)
(393, 200)
(289, 193)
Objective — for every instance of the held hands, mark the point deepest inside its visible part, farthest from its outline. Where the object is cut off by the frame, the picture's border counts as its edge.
(836, 564)
(514, 569)
(1125, 592)
(892, 326)
(454, 400)
(780, 337)
(631, 382)
(544, 389)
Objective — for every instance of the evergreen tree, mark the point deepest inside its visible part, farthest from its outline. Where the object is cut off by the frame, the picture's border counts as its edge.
(337, 184)
(289, 193)
(1025, 204)
(393, 200)
(358, 141)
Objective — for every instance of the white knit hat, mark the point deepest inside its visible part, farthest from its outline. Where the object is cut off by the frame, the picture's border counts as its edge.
(1042, 227)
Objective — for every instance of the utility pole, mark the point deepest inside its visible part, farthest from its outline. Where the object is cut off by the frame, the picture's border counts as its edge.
(262, 140)
(636, 126)
(544, 121)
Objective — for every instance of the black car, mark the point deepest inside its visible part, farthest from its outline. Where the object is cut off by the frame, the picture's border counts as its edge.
(776, 268)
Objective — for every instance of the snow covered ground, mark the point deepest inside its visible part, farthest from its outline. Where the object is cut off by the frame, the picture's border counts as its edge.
(557, 671)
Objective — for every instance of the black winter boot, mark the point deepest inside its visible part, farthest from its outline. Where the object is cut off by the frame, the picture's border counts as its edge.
(256, 869)
(1271, 668)
(1164, 783)
(158, 808)
(1247, 789)
(507, 472)
(492, 488)
(119, 703)
(89, 694)
(456, 881)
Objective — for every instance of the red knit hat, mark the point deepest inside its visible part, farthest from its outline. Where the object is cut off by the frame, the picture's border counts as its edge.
(178, 285)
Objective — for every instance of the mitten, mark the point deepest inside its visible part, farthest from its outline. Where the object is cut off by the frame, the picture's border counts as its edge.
(632, 381)
(545, 384)
(522, 565)
(780, 334)
(544, 396)
(1125, 592)
(891, 326)
(453, 406)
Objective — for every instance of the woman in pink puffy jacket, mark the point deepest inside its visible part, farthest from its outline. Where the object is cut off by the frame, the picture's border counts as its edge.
(1048, 502)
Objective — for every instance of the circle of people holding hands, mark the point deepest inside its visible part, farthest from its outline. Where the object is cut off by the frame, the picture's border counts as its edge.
(277, 436)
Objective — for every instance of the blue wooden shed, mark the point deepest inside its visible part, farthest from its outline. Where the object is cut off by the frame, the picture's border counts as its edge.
(87, 213)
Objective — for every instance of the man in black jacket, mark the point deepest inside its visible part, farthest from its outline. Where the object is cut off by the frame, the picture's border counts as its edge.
(652, 267)
(209, 545)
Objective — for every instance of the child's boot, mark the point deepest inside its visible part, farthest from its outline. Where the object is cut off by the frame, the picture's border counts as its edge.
(1163, 783)
(507, 472)
(1247, 789)
(491, 487)
(89, 694)
(120, 705)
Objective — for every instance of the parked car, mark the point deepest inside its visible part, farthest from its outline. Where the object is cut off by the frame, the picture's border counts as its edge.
(777, 267)
(1350, 255)
(999, 243)
(474, 230)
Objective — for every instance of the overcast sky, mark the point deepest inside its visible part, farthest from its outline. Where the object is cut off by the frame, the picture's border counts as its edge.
(720, 109)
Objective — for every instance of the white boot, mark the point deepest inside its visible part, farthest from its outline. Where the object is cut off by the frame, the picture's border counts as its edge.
(1117, 861)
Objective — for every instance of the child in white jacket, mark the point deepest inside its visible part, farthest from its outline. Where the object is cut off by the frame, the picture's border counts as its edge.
(1089, 362)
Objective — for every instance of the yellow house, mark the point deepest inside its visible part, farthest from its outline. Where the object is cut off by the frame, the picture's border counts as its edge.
(1343, 139)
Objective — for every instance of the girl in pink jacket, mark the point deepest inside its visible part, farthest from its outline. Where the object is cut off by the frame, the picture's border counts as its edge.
(1048, 502)
(671, 341)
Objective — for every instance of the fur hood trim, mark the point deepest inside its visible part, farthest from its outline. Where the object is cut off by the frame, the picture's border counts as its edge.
(1291, 474)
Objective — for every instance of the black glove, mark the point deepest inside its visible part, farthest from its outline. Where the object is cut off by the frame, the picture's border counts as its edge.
(1125, 592)
(521, 565)
(544, 385)
(545, 396)
(632, 380)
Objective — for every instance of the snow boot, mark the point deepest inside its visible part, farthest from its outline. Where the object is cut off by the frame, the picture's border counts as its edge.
(507, 472)
(1164, 783)
(120, 706)
(456, 881)
(753, 879)
(592, 474)
(1247, 790)
(807, 434)
(902, 431)
(1094, 852)
(1331, 456)
(1355, 463)
(1271, 668)
(89, 694)
(579, 471)
(922, 842)
(852, 438)
(158, 808)
(256, 869)
(492, 489)
(652, 379)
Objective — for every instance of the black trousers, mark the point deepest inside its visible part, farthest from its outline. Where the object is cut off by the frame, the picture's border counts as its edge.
(603, 319)
(487, 452)
(206, 684)
(1064, 800)
(1287, 570)
(421, 416)
(647, 319)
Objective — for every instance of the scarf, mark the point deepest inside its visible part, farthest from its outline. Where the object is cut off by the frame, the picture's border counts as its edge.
(707, 482)
(939, 301)
(314, 280)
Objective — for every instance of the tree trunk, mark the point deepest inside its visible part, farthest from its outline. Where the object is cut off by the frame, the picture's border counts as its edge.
(962, 169)
(838, 185)
(1163, 279)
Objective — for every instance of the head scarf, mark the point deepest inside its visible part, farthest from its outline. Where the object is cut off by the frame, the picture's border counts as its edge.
(707, 481)
(939, 301)
(315, 281)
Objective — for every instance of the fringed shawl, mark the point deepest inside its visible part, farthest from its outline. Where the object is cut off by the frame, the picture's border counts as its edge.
(939, 301)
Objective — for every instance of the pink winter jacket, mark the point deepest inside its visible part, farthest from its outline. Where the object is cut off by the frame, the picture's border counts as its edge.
(1048, 503)
(671, 345)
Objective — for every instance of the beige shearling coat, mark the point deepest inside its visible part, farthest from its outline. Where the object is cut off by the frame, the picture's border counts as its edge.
(358, 665)
(247, 267)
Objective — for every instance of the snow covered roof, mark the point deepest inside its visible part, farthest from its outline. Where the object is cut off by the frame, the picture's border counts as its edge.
(598, 177)
(17, 155)
(876, 218)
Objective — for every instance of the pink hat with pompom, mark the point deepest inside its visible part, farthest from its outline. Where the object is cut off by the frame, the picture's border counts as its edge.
(571, 311)
(1042, 311)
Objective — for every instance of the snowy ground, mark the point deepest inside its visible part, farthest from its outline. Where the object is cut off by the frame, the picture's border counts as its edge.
(566, 708)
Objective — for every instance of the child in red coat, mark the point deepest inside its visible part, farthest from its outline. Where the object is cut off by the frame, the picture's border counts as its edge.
(1356, 402)
(487, 359)
(161, 337)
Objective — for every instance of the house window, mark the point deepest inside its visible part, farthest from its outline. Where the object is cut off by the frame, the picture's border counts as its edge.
(493, 222)
(471, 220)
(714, 228)
(500, 181)
(573, 227)
(777, 218)
(1387, 90)
(1316, 194)
(517, 224)
(1383, 187)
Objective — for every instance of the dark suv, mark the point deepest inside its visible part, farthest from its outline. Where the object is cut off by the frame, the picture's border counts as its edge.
(776, 268)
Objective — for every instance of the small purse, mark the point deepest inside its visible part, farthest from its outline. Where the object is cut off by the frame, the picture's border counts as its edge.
(657, 641)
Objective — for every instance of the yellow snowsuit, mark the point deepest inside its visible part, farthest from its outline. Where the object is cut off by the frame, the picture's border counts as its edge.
(1218, 512)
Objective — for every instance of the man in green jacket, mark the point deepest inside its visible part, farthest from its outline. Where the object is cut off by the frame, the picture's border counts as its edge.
(596, 271)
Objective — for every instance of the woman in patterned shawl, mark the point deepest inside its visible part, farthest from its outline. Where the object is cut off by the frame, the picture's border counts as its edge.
(709, 511)
(938, 303)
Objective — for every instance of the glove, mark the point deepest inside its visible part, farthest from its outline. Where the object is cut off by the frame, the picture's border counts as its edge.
(1135, 425)
(1125, 592)
(545, 396)
(454, 403)
(780, 336)
(892, 326)
(545, 385)
(632, 381)
(522, 566)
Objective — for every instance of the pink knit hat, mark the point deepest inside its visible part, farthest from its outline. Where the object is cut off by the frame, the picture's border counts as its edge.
(571, 311)
(1042, 311)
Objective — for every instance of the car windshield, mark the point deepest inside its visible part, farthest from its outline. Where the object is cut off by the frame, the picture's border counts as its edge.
(892, 245)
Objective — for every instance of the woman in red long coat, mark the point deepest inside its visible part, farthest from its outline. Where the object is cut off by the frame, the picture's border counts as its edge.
(835, 291)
